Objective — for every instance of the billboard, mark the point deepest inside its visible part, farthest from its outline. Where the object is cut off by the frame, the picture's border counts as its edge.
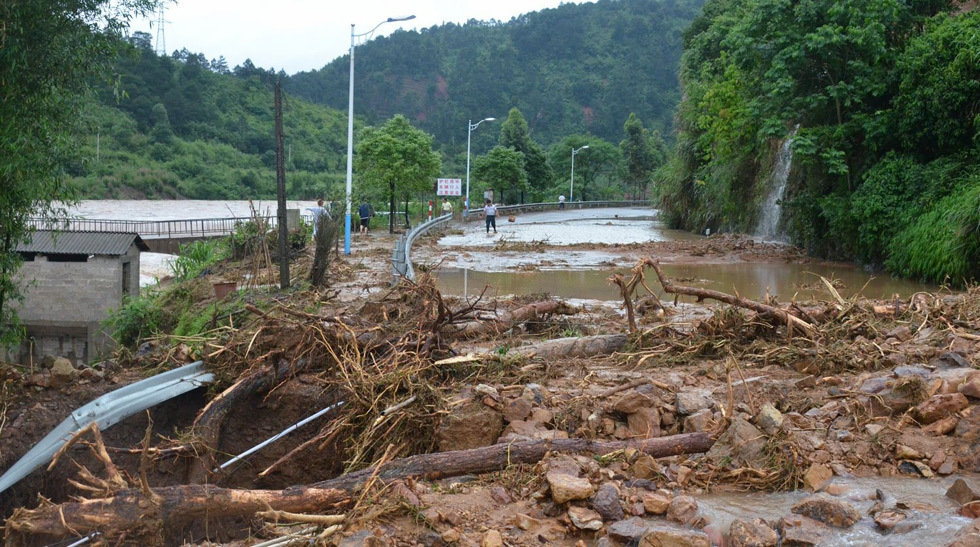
(449, 187)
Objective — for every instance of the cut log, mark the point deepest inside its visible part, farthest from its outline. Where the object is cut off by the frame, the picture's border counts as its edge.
(169, 508)
(511, 319)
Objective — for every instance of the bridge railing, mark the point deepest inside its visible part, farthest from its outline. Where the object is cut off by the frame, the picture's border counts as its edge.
(149, 228)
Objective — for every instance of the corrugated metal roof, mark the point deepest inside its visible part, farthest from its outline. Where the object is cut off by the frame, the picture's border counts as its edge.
(78, 243)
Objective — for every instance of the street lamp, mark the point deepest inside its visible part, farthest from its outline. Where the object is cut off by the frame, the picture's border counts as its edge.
(571, 188)
(350, 120)
(470, 126)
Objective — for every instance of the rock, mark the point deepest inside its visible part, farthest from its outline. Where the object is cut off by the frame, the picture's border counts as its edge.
(874, 385)
(817, 477)
(769, 419)
(971, 386)
(629, 530)
(828, 510)
(701, 420)
(500, 495)
(606, 502)
(888, 520)
(971, 509)
(950, 359)
(800, 531)
(911, 370)
(903, 452)
(664, 536)
(912, 467)
(691, 401)
(471, 425)
(874, 429)
(646, 467)
(541, 416)
(526, 522)
(836, 489)
(492, 538)
(967, 536)
(968, 426)
(450, 536)
(901, 332)
(489, 391)
(632, 401)
(890, 401)
(752, 533)
(584, 519)
(644, 423)
(943, 426)
(742, 443)
(567, 488)
(656, 503)
(941, 406)
(516, 409)
(683, 510)
(62, 372)
(519, 430)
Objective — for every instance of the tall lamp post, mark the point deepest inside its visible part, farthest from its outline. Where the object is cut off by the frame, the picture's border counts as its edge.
(470, 126)
(571, 188)
(350, 120)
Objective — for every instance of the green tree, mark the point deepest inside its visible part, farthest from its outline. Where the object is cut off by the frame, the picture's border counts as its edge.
(642, 154)
(600, 158)
(514, 134)
(48, 55)
(503, 169)
(396, 159)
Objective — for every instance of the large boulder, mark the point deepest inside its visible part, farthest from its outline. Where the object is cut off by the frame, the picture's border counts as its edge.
(828, 510)
(471, 425)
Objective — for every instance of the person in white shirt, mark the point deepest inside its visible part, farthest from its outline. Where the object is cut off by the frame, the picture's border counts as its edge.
(319, 212)
(490, 212)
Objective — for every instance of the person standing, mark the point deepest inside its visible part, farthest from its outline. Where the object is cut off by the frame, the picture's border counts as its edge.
(490, 212)
(319, 212)
(561, 201)
(447, 208)
(364, 211)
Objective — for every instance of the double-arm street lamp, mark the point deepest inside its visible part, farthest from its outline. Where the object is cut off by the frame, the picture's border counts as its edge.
(470, 126)
(571, 188)
(350, 120)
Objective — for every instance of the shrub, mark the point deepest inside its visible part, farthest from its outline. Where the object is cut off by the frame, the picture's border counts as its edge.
(137, 318)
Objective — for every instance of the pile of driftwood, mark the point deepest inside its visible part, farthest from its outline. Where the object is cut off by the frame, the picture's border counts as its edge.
(388, 363)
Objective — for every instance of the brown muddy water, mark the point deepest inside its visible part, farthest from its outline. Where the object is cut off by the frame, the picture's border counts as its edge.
(932, 516)
(788, 282)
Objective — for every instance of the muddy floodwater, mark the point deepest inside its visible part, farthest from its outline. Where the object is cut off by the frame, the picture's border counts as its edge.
(752, 280)
(931, 517)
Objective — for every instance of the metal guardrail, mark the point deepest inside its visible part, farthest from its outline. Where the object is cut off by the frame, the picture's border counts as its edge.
(401, 259)
(107, 411)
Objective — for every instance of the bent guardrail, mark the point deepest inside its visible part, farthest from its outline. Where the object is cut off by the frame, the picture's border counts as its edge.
(401, 259)
(107, 411)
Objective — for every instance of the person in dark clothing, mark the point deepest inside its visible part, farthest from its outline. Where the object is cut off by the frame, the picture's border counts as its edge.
(364, 211)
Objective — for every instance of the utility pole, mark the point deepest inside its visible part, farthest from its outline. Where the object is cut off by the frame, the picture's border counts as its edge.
(281, 192)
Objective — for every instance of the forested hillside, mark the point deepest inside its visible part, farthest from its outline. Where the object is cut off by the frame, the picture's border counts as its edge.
(577, 68)
(881, 101)
(184, 126)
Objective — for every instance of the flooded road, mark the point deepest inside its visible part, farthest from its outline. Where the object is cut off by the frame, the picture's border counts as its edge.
(751, 280)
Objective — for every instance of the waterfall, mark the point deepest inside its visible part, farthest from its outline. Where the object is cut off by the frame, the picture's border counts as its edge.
(768, 227)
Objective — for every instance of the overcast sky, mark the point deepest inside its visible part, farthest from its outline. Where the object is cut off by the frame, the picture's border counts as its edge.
(298, 35)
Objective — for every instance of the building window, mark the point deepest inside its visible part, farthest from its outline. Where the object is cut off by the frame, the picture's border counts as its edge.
(67, 258)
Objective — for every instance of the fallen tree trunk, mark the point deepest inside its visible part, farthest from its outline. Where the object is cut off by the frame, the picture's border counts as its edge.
(579, 346)
(511, 319)
(166, 509)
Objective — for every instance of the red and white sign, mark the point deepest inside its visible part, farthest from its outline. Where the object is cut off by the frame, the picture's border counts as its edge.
(449, 187)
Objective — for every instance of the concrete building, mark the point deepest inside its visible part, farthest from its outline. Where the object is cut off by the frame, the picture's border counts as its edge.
(70, 281)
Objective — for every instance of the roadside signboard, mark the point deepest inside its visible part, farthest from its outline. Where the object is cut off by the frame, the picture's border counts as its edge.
(449, 187)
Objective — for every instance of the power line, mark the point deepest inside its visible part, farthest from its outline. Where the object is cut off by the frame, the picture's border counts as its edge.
(160, 47)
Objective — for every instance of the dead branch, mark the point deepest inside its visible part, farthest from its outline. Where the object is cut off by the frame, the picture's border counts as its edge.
(780, 314)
